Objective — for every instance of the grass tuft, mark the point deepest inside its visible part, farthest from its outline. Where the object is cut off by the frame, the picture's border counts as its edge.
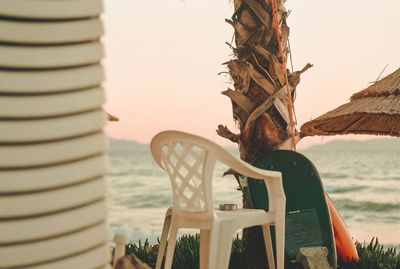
(373, 256)
(186, 256)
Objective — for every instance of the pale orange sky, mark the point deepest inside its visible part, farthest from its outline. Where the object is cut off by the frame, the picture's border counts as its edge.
(163, 57)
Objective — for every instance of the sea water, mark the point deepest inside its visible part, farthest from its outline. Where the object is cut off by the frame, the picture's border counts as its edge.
(364, 186)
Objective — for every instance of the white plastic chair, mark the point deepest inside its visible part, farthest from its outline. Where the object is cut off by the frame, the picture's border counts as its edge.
(189, 161)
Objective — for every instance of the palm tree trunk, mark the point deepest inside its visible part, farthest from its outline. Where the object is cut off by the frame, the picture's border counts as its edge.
(263, 91)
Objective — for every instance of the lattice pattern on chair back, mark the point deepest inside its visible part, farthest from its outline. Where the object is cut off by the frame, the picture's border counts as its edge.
(185, 163)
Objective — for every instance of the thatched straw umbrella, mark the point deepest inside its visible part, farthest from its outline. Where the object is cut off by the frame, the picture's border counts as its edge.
(374, 110)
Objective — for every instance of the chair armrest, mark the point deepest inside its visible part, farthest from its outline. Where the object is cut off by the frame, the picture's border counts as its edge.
(272, 179)
(246, 169)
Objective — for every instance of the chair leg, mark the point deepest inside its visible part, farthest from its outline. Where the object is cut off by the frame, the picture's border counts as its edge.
(204, 248)
(220, 247)
(163, 242)
(268, 246)
(280, 242)
(171, 245)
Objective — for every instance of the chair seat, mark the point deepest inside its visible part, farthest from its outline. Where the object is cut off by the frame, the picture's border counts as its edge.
(50, 57)
(38, 228)
(50, 177)
(48, 129)
(51, 32)
(52, 249)
(33, 106)
(51, 81)
(46, 9)
(46, 202)
(95, 258)
(243, 217)
(39, 154)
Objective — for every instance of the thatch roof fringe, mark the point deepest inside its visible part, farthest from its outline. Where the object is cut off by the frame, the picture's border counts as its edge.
(374, 110)
(389, 85)
(374, 105)
(356, 123)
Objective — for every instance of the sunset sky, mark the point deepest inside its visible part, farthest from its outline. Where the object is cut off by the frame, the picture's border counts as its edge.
(163, 57)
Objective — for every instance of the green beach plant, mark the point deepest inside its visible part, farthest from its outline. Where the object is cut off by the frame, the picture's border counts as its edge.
(372, 255)
(146, 252)
(186, 253)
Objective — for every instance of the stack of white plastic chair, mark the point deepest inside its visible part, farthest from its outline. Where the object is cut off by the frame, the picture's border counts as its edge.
(52, 148)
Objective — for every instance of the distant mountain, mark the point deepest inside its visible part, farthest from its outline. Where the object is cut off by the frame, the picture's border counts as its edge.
(120, 145)
(385, 144)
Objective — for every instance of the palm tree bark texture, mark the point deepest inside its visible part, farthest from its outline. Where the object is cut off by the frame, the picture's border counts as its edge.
(262, 94)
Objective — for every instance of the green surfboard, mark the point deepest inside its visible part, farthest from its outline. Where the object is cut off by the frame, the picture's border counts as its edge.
(308, 221)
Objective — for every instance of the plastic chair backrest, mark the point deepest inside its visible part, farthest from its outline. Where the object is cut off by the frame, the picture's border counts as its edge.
(189, 164)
